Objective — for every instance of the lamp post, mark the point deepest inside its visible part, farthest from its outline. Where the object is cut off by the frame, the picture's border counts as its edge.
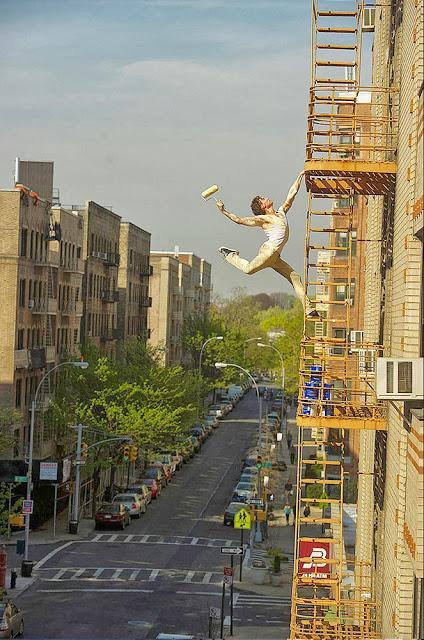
(223, 365)
(79, 365)
(283, 372)
(200, 363)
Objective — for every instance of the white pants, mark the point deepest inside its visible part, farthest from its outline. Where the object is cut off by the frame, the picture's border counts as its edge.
(269, 256)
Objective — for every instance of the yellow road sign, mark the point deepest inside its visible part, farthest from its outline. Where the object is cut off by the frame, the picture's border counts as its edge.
(242, 519)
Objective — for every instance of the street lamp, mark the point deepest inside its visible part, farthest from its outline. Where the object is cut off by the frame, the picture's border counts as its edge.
(283, 372)
(80, 365)
(223, 365)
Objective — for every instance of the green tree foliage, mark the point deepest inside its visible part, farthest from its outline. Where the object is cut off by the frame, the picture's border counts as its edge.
(8, 417)
(6, 491)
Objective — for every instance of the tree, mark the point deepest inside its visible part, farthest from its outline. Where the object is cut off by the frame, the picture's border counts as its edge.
(8, 417)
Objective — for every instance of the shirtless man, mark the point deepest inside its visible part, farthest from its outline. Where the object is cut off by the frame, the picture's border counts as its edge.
(274, 224)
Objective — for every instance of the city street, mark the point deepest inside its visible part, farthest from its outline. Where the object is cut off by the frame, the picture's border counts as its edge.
(165, 571)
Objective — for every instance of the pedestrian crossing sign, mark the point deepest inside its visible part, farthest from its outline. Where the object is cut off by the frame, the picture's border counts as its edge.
(242, 519)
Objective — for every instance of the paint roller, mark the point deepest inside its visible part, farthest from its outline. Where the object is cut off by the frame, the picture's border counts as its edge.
(209, 193)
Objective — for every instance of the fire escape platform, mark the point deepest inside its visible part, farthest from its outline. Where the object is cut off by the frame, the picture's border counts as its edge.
(343, 422)
(364, 177)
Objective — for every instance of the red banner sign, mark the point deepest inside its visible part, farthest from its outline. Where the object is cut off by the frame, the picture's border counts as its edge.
(318, 552)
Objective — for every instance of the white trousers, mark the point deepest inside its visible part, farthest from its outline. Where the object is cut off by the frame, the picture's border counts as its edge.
(269, 256)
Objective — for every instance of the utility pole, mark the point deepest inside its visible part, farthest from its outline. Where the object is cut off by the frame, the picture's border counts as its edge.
(73, 525)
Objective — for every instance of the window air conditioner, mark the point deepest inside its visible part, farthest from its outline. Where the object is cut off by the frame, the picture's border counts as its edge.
(31, 304)
(400, 378)
(368, 19)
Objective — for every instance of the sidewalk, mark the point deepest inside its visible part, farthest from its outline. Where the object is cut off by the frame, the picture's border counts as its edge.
(281, 536)
(44, 534)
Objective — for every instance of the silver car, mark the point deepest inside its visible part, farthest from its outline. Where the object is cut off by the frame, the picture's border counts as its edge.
(134, 503)
(11, 620)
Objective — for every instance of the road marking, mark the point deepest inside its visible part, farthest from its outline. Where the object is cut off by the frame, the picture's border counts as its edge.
(59, 574)
(170, 540)
(194, 541)
(111, 590)
(216, 489)
(46, 558)
(116, 574)
(78, 573)
(189, 576)
(113, 537)
(134, 574)
(128, 538)
(198, 593)
(97, 573)
(153, 574)
(207, 578)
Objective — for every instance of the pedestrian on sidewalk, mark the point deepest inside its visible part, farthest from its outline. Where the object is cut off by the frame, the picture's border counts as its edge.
(288, 488)
(292, 454)
(289, 439)
(287, 512)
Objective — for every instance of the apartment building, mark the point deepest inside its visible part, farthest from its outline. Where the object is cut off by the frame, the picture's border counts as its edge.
(390, 501)
(133, 281)
(100, 289)
(39, 298)
(180, 285)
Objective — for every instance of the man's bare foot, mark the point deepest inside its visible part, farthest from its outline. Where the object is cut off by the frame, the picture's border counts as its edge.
(226, 251)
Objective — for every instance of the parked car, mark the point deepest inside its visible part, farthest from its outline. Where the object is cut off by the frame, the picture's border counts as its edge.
(177, 456)
(250, 471)
(199, 433)
(241, 496)
(212, 421)
(247, 486)
(215, 410)
(112, 514)
(165, 468)
(195, 442)
(228, 404)
(134, 503)
(208, 427)
(168, 458)
(231, 510)
(142, 489)
(11, 620)
(246, 478)
(156, 474)
(154, 486)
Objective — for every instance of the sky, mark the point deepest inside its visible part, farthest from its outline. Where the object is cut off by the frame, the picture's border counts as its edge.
(143, 104)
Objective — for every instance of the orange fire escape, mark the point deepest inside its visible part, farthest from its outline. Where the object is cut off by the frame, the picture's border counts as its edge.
(349, 151)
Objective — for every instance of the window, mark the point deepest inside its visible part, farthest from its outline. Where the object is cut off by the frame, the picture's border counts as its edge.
(342, 290)
(339, 333)
(24, 239)
(22, 292)
(20, 339)
(405, 377)
(18, 393)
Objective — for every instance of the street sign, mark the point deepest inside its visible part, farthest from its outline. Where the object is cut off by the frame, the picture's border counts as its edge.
(228, 571)
(317, 552)
(232, 551)
(242, 520)
(49, 471)
(27, 506)
(228, 579)
(268, 465)
(214, 613)
(79, 463)
(20, 479)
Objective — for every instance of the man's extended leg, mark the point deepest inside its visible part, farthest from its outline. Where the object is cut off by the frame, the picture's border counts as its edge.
(290, 274)
(262, 260)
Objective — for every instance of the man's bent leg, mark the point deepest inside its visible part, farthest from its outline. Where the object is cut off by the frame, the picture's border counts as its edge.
(290, 274)
(261, 261)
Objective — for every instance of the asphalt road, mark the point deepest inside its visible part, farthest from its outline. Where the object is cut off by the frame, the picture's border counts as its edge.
(165, 571)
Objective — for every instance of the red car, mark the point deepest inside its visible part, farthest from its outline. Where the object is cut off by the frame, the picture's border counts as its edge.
(112, 515)
(154, 487)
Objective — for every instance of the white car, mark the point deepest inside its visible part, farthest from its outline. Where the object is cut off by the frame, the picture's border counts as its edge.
(166, 458)
(133, 502)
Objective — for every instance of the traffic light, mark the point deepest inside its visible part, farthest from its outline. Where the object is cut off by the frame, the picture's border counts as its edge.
(84, 450)
(259, 462)
(133, 453)
(126, 453)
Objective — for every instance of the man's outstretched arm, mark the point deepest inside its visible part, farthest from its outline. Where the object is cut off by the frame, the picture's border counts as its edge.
(293, 192)
(250, 221)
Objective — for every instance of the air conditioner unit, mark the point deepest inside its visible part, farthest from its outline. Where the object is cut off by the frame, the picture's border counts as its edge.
(31, 304)
(366, 363)
(400, 378)
(368, 19)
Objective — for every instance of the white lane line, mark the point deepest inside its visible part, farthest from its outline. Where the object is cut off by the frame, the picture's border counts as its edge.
(127, 538)
(97, 537)
(161, 540)
(96, 590)
(144, 538)
(216, 489)
(207, 577)
(189, 576)
(194, 541)
(153, 574)
(59, 574)
(97, 573)
(116, 574)
(46, 558)
(134, 574)
(198, 593)
(113, 537)
(78, 573)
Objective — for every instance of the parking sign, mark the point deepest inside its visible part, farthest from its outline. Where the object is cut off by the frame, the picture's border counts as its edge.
(27, 506)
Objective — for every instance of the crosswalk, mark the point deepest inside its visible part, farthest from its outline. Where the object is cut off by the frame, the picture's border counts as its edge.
(128, 574)
(256, 600)
(155, 539)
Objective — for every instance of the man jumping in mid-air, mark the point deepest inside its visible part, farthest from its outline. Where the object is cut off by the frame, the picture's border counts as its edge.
(274, 224)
